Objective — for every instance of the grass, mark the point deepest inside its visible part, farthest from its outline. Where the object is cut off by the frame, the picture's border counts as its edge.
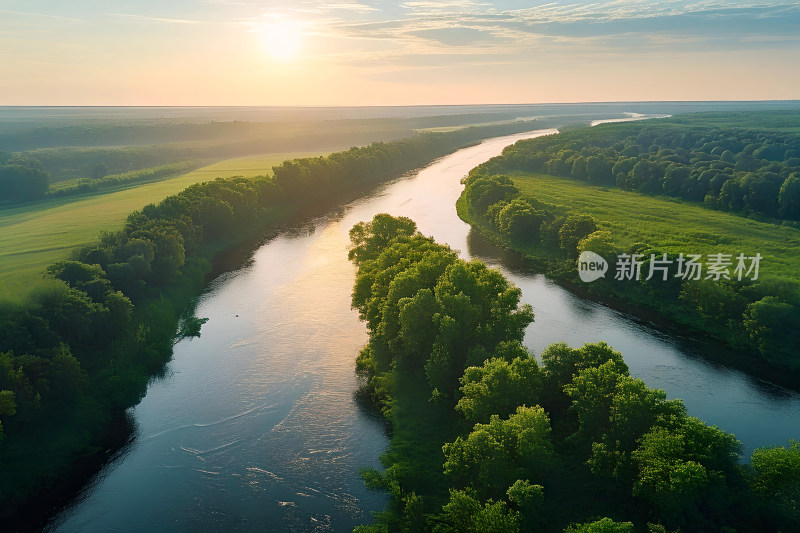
(34, 235)
(671, 225)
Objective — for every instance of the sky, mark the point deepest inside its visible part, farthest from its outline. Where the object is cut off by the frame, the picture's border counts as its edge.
(367, 52)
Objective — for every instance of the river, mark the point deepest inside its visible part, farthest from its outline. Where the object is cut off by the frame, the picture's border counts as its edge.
(254, 426)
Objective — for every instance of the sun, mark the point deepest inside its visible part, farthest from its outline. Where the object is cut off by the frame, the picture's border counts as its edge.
(282, 39)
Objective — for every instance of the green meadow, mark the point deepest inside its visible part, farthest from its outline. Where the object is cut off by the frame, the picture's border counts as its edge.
(671, 225)
(34, 235)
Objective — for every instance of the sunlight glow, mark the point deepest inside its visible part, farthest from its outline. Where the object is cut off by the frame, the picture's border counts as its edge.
(282, 39)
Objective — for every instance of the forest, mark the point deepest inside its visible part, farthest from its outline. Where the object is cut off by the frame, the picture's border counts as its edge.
(727, 167)
(485, 438)
(619, 170)
(82, 348)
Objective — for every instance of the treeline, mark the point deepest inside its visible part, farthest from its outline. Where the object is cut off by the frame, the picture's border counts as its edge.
(745, 171)
(380, 159)
(71, 162)
(22, 178)
(83, 348)
(484, 439)
(164, 131)
(752, 316)
(101, 181)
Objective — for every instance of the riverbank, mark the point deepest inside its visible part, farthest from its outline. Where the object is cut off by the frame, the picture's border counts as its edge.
(247, 416)
(527, 445)
(561, 271)
(110, 364)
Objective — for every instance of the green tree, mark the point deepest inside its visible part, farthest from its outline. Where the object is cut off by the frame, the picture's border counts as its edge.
(20, 183)
(592, 392)
(520, 220)
(495, 455)
(498, 387)
(575, 228)
(601, 243)
(8, 407)
(770, 324)
(370, 238)
(789, 198)
(646, 177)
(599, 171)
(529, 500)
(605, 525)
(683, 472)
(776, 477)
(562, 363)
(464, 513)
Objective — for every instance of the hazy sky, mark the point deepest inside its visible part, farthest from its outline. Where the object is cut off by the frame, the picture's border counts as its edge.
(308, 52)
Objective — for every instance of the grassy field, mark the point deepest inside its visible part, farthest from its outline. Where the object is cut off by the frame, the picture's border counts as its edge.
(672, 225)
(35, 235)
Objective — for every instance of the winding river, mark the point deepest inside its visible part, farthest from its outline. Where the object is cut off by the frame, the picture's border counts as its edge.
(254, 426)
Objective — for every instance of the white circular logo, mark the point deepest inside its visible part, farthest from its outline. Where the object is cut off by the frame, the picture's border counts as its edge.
(591, 266)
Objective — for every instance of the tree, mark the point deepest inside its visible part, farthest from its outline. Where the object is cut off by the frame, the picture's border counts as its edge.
(188, 327)
(674, 178)
(601, 243)
(579, 168)
(621, 169)
(562, 363)
(463, 513)
(683, 471)
(605, 525)
(20, 183)
(592, 393)
(575, 228)
(599, 171)
(369, 238)
(646, 177)
(495, 455)
(498, 387)
(789, 198)
(731, 196)
(478, 308)
(484, 191)
(529, 499)
(633, 410)
(99, 171)
(770, 323)
(520, 220)
(776, 477)
(761, 194)
(66, 378)
(8, 406)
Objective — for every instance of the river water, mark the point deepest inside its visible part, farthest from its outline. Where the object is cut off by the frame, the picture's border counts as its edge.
(255, 427)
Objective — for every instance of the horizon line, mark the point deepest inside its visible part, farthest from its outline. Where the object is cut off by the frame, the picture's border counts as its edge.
(597, 102)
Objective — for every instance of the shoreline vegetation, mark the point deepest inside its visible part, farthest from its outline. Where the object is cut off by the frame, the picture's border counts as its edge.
(36, 234)
(610, 190)
(484, 439)
(83, 348)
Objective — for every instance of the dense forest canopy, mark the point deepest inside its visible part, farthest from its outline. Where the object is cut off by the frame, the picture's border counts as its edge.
(574, 443)
(738, 169)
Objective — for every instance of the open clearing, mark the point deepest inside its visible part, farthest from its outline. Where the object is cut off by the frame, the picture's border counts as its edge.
(671, 225)
(35, 235)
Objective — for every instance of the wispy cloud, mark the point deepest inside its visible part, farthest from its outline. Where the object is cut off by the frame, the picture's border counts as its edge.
(163, 20)
(356, 7)
(41, 15)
